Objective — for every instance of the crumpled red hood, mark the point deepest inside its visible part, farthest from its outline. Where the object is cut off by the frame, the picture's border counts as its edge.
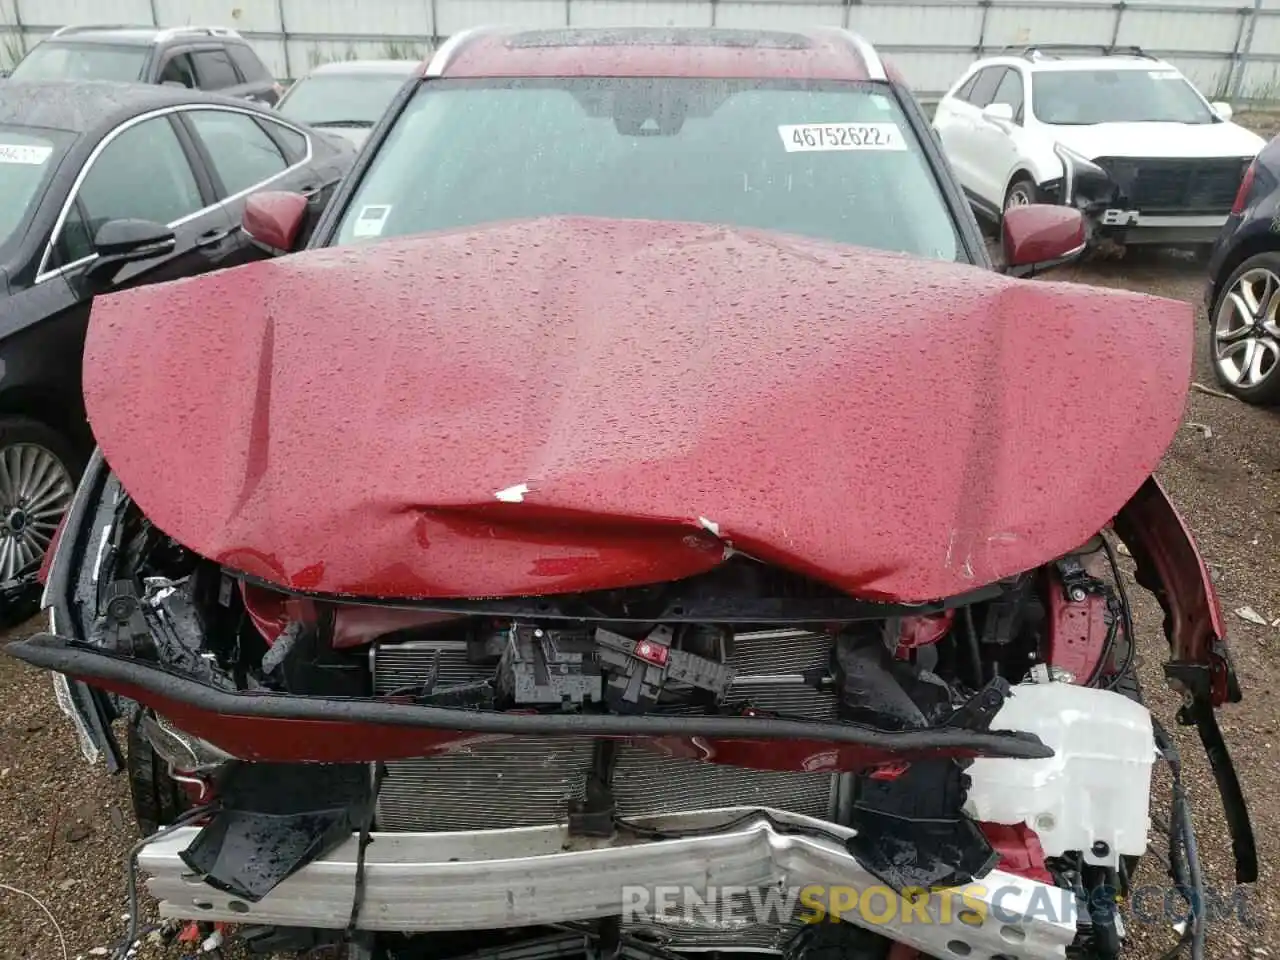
(571, 404)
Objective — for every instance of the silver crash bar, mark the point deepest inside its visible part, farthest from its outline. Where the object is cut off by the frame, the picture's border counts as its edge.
(476, 880)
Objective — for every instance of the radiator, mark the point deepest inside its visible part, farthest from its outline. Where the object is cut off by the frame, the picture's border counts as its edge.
(528, 781)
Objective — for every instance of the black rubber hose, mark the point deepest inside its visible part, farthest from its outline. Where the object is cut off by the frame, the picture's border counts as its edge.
(1131, 642)
(1183, 810)
(1183, 829)
(975, 655)
(54, 653)
(131, 871)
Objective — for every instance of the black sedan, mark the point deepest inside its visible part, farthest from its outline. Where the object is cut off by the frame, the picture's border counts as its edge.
(104, 186)
(1243, 294)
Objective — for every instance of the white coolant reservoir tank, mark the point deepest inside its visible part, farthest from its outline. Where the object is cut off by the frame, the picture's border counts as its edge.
(1094, 794)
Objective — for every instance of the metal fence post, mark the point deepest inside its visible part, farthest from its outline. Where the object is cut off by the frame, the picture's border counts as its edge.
(1115, 27)
(1242, 58)
(284, 40)
(1233, 59)
(18, 26)
(985, 6)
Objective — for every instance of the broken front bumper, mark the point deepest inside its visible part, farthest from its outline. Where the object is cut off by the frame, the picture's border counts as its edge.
(1131, 228)
(430, 882)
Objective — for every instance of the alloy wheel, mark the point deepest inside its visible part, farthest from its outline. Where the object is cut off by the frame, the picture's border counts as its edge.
(35, 491)
(1019, 196)
(1246, 337)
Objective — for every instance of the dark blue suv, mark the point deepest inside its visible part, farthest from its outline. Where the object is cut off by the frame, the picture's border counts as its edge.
(1243, 293)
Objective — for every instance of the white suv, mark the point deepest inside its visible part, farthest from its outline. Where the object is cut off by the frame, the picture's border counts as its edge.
(1122, 136)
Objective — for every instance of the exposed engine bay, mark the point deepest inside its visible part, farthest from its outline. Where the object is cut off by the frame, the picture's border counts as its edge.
(744, 729)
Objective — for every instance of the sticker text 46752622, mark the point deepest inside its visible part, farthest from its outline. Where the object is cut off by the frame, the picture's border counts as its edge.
(799, 137)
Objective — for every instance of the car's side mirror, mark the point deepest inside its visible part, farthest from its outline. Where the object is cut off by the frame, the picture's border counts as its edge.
(1223, 110)
(998, 113)
(119, 242)
(273, 219)
(1039, 236)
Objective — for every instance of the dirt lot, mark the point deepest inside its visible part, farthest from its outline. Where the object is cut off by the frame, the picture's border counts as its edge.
(64, 827)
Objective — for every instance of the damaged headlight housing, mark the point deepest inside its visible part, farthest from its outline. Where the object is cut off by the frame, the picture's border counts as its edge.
(1084, 183)
(181, 751)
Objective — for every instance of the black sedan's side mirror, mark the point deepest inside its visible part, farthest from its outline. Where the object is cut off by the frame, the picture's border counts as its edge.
(119, 242)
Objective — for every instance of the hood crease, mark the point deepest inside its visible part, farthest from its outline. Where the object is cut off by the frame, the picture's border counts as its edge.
(898, 428)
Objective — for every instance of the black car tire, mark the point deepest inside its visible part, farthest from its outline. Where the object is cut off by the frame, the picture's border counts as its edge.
(17, 606)
(1022, 187)
(1267, 392)
(158, 799)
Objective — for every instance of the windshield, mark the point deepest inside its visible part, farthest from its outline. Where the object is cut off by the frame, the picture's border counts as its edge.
(356, 100)
(835, 161)
(1077, 97)
(82, 61)
(27, 160)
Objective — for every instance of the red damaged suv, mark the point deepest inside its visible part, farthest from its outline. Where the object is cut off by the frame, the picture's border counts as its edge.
(643, 502)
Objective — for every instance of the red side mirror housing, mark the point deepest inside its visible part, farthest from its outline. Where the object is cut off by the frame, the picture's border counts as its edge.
(273, 219)
(1041, 235)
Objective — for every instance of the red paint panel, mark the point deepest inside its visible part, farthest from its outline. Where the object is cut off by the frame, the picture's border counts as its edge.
(1077, 629)
(1041, 233)
(831, 56)
(274, 217)
(1019, 849)
(810, 756)
(353, 625)
(1169, 563)
(916, 632)
(42, 576)
(349, 420)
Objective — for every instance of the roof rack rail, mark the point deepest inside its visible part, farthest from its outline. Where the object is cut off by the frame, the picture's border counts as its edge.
(1033, 51)
(168, 33)
(79, 27)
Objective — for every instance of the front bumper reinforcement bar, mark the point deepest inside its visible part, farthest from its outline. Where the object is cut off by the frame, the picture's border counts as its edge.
(476, 880)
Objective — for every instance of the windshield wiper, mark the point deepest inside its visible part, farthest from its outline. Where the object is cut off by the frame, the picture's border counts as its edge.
(343, 123)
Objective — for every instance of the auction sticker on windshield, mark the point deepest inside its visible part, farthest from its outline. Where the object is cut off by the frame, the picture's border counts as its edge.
(371, 221)
(19, 153)
(797, 137)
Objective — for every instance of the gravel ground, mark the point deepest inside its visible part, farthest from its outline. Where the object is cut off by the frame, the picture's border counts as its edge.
(65, 827)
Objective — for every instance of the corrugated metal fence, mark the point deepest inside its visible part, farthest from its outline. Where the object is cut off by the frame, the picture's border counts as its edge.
(1229, 50)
